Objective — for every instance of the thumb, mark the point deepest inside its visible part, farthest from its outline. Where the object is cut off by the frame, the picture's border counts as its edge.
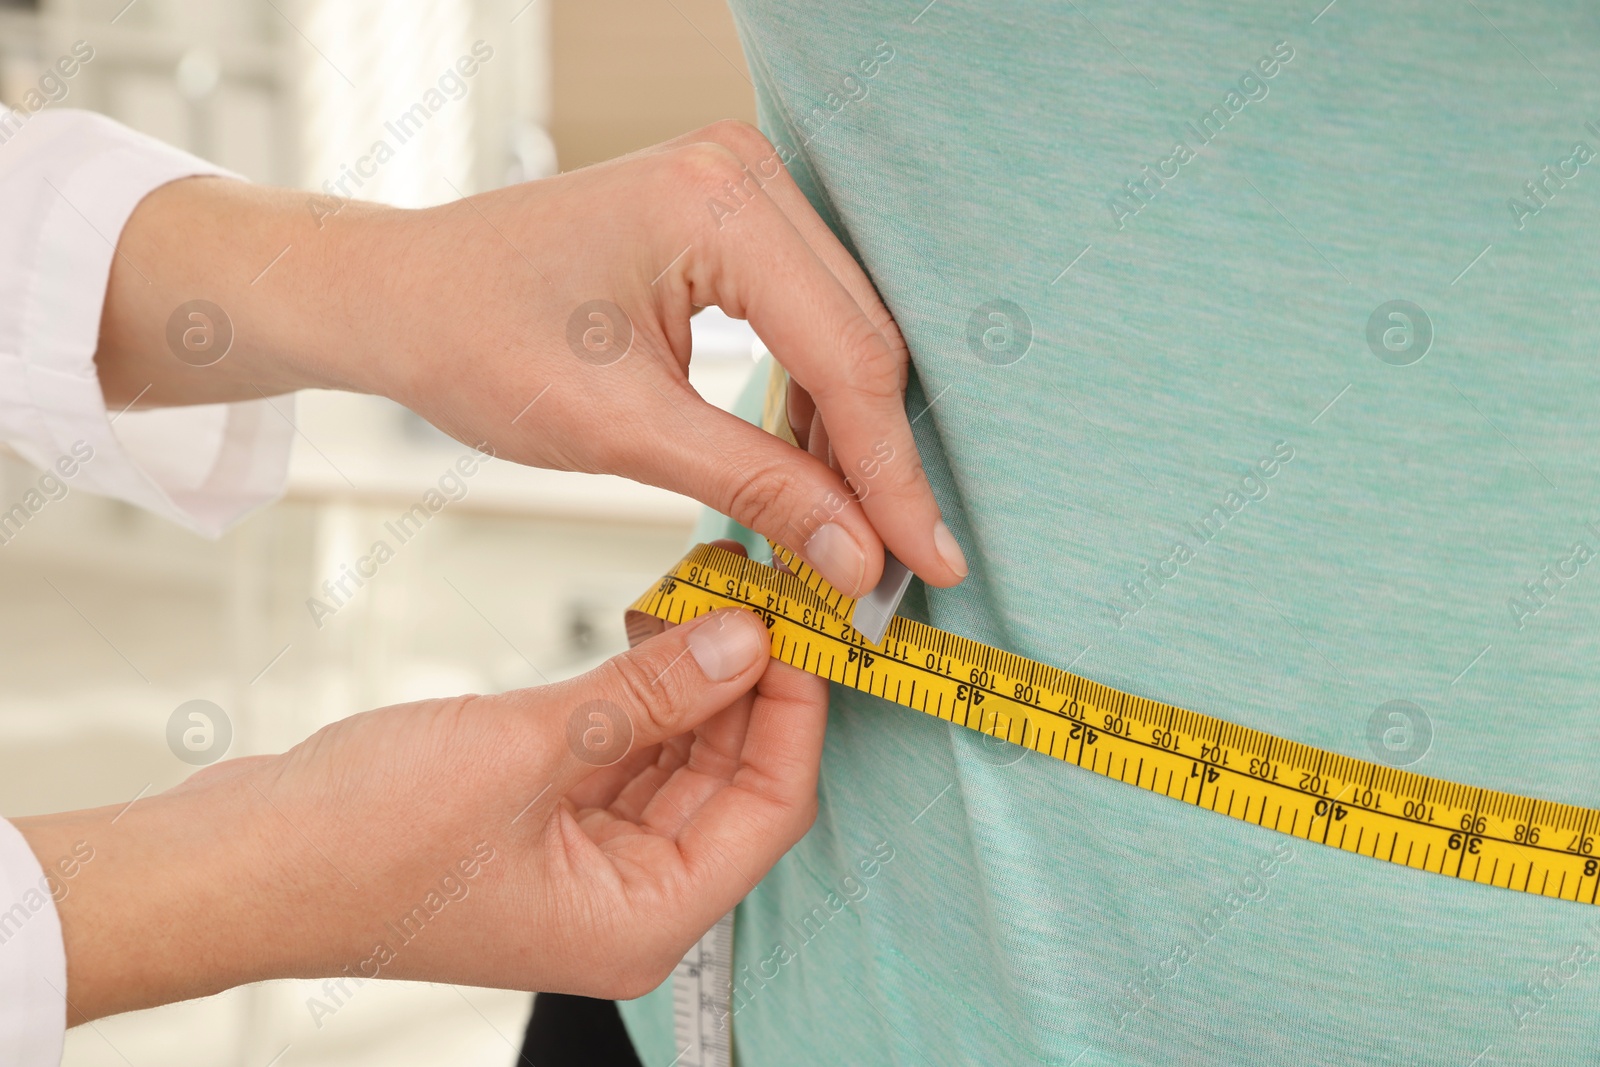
(779, 491)
(661, 688)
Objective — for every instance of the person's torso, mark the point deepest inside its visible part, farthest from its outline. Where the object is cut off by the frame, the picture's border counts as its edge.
(1359, 249)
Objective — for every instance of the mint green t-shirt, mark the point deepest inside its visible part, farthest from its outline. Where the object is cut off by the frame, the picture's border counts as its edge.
(1257, 353)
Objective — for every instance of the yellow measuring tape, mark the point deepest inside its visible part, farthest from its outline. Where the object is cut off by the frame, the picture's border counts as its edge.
(1466, 832)
(1477, 835)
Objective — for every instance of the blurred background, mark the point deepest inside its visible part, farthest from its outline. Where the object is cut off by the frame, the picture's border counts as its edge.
(115, 618)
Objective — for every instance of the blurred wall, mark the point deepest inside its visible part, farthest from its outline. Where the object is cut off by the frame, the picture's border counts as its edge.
(115, 621)
(630, 73)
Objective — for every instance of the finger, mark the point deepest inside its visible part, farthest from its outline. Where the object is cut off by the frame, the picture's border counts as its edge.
(655, 691)
(605, 784)
(624, 789)
(813, 434)
(800, 409)
(762, 269)
(766, 177)
(642, 771)
(770, 486)
(742, 829)
(871, 441)
(783, 741)
(674, 788)
(765, 171)
(819, 444)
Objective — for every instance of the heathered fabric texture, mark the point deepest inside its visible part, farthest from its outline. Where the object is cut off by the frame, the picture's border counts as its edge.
(1215, 320)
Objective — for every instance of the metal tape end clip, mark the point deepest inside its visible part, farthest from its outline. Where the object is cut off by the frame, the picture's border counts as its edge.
(874, 610)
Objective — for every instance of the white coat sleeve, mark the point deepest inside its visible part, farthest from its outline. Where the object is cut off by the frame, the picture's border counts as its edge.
(69, 180)
(33, 964)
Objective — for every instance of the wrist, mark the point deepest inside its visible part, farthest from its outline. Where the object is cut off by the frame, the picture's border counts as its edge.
(288, 287)
(369, 299)
(174, 896)
(408, 307)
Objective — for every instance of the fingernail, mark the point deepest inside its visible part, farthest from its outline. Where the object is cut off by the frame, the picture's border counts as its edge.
(839, 559)
(949, 551)
(723, 648)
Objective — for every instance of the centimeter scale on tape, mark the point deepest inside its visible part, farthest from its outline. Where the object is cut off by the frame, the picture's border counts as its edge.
(1445, 828)
(1461, 831)
(702, 991)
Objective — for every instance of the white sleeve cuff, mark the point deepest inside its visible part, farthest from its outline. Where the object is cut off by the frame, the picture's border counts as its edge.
(70, 180)
(33, 962)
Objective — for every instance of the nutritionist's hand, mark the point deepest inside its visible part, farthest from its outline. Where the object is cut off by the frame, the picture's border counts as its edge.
(549, 322)
(577, 837)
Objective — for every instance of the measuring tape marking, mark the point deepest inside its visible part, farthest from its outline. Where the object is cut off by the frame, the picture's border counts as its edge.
(701, 990)
(702, 994)
(915, 666)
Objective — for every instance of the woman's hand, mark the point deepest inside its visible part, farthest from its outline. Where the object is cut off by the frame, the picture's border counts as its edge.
(549, 321)
(578, 837)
